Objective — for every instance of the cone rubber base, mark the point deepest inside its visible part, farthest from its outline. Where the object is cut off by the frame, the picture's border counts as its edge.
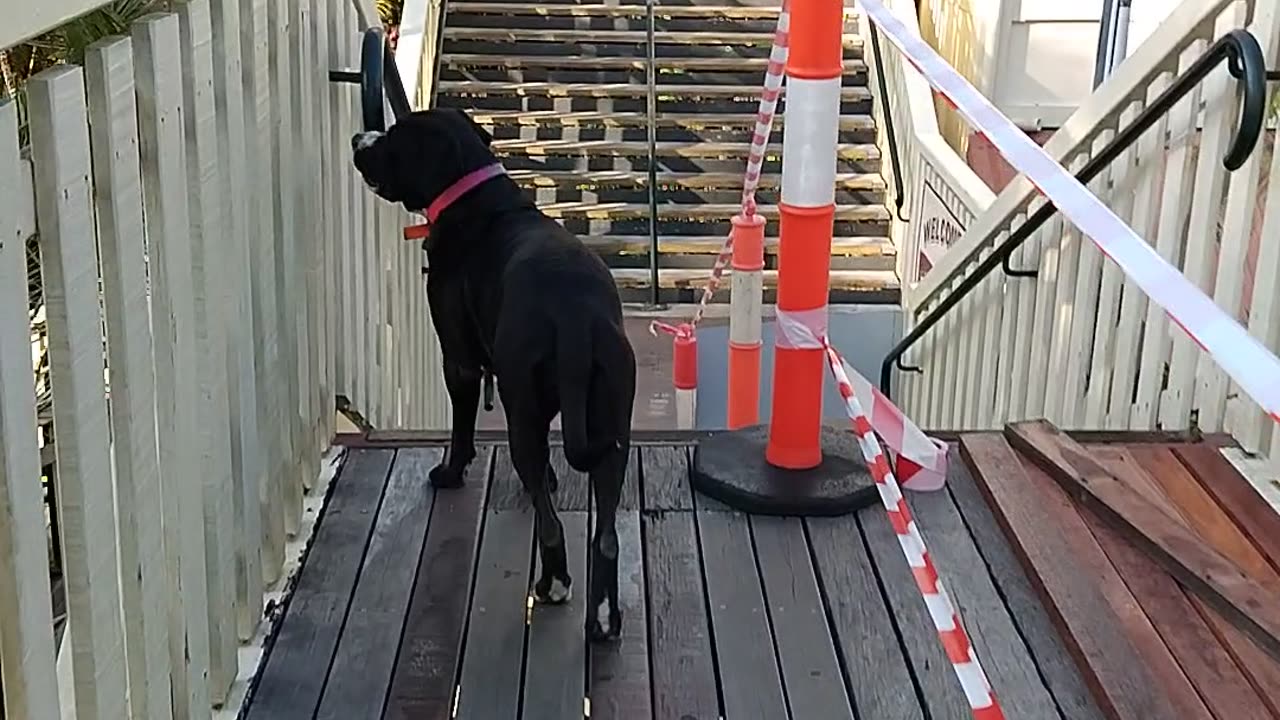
(730, 467)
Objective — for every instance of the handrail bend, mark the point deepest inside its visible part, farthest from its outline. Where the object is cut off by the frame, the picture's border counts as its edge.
(1245, 62)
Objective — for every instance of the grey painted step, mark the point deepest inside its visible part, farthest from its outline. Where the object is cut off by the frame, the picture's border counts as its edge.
(696, 181)
(543, 118)
(702, 212)
(667, 149)
(587, 62)
(468, 88)
(638, 10)
(689, 37)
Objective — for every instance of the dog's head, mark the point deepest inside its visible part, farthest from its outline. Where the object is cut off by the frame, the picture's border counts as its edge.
(421, 155)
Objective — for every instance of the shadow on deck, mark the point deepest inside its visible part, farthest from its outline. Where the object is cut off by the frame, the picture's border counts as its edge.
(413, 604)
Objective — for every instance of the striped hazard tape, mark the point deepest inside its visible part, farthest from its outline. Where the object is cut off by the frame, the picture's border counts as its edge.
(1244, 359)
(946, 619)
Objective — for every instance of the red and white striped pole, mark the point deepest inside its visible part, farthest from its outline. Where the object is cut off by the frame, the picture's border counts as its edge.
(745, 310)
(815, 67)
(684, 371)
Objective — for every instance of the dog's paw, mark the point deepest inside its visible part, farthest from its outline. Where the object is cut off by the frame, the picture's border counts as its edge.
(597, 633)
(553, 590)
(445, 477)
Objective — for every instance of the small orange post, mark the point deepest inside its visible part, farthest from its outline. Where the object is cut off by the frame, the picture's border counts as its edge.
(814, 69)
(685, 377)
(745, 303)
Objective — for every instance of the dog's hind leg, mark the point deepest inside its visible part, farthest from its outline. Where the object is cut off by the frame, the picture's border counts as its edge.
(531, 456)
(464, 394)
(606, 484)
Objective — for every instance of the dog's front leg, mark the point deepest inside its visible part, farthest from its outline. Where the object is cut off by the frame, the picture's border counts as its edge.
(463, 384)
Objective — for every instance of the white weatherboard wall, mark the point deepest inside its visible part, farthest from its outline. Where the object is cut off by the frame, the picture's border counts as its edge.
(1045, 55)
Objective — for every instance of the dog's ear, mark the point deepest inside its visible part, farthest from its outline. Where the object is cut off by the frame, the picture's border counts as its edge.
(480, 132)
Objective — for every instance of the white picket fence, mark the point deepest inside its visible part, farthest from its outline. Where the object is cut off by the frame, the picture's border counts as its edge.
(192, 191)
(1079, 344)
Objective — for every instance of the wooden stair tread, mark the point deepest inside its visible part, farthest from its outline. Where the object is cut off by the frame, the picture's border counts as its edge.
(693, 211)
(860, 151)
(587, 62)
(665, 37)
(540, 118)
(859, 246)
(845, 280)
(705, 180)
(732, 12)
(585, 89)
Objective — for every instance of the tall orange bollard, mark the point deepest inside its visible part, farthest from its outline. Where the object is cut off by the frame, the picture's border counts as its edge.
(744, 321)
(795, 465)
(814, 70)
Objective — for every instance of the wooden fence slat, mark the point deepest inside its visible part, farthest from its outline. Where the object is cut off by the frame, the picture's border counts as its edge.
(1179, 170)
(246, 458)
(144, 576)
(338, 164)
(284, 269)
(159, 91)
(64, 213)
(206, 214)
(257, 85)
(321, 116)
(27, 660)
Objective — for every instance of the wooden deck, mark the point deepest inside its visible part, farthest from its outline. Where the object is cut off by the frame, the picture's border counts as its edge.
(413, 603)
(412, 600)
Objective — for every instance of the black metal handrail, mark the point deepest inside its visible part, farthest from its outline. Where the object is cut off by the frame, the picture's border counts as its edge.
(899, 193)
(1246, 63)
(651, 111)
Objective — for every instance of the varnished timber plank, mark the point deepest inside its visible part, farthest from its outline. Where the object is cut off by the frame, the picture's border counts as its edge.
(573, 493)
(1180, 551)
(1197, 637)
(1233, 492)
(1073, 578)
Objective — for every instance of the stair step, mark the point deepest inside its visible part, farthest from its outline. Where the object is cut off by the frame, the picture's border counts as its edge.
(623, 148)
(840, 280)
(600, 37)
(733, 12)
(689, 181)
(847, 247)
(586, 62)
(692, 211)
(616, 90)
(697, 121)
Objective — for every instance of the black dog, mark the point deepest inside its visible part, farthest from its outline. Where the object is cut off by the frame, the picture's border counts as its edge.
(513, 293)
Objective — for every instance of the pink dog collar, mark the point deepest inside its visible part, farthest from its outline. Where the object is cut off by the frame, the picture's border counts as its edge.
(465, 185)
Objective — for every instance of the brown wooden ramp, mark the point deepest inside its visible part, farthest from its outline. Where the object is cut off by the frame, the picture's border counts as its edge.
(413, 604)
(1158, 564)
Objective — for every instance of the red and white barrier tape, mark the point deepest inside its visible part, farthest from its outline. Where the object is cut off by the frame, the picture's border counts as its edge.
(769, 95)
(921, 460)
(1248, 362)
(946, 619)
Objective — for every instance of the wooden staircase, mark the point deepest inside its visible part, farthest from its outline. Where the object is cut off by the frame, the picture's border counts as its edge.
(563, 87)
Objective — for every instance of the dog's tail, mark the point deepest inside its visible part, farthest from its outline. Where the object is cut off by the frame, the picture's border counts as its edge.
(575, 360)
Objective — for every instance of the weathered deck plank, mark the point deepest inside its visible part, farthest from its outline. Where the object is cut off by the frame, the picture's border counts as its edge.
(366, 654)
(875, 668)
(1063, 560)
(726, 615)
(423, 683)
(295, 671)
(748, 664)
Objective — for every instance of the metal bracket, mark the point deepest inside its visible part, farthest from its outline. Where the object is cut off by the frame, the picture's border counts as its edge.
(1013, 272)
